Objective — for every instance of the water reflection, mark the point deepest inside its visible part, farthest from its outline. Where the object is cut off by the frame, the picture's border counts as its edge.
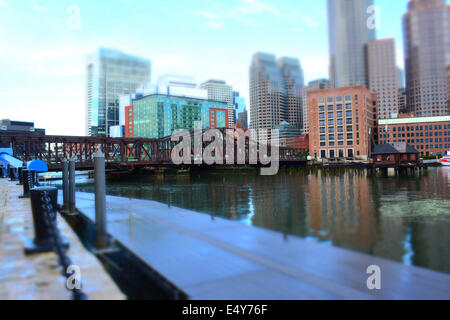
(405, 219)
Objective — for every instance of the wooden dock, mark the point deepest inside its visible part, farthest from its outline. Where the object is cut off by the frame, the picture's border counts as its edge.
(213, 258)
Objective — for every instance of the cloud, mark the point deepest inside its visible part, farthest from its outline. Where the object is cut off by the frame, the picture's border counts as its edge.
(205, 14)
(212, 19)
(37, 5)
(252, 7)
(308, 21)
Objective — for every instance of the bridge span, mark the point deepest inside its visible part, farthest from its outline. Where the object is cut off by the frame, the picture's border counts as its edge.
(120, 153)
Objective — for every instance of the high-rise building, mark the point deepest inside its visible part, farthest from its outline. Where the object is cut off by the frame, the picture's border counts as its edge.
(448, 89)
(312, 85)
(383, 76)
(292, 74)
(159, 115)
(400, 78)
(342, 122)
(401, 101)
(218, 90)
(240, 110)
(110, 74)
(275, 93)
(426, 33)
(348, 32)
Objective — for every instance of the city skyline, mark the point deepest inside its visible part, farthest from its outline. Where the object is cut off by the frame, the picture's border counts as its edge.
(45, 53)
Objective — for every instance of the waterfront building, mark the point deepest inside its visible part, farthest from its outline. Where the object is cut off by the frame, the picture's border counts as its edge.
(12, 127)
(218, 90)
(394, 154)
(110, 74)
(383, 76)
(342, 122)
(348, 33)
(426, 33)
(275, 93)
(158, 115)
(19, 127)
(312, 85)
(429, 135)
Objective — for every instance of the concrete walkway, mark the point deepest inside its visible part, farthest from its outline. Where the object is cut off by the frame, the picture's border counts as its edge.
(38, 277)
(213, 258)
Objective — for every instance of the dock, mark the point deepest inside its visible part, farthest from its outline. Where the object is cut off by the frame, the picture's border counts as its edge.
(211, 258)
(38, 276)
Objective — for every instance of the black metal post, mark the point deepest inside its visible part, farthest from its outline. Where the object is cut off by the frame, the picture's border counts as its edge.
(42, 241)
(65, 183)
(72, 205)
(28, 182)
(100, 199)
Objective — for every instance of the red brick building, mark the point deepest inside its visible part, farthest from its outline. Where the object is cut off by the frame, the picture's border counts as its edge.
(342, 122)
(429, 135)
(301, 143)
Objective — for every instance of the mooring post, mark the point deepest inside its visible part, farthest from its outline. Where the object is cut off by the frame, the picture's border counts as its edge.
(28, 178)
(72, 205)
(65, 185)
(100, 199)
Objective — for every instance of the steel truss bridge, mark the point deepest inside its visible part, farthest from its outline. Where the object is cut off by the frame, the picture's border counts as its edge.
(120, 153)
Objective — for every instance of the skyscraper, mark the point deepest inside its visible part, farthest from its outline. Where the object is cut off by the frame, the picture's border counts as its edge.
(426, 33)
(312, 85)
(348, 32)
(383, 76)
(275, 92)
(218, 90)
(110, 74)
(240, 110)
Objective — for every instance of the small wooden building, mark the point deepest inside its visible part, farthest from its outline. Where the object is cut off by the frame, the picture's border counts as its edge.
(395, 154)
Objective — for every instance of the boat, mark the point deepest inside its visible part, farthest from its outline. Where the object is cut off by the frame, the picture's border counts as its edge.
(445, 160)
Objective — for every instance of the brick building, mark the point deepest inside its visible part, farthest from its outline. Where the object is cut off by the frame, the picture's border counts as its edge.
(429, 135)
(342, 122)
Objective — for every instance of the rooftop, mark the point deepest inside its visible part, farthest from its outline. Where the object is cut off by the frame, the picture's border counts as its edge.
(414, 120)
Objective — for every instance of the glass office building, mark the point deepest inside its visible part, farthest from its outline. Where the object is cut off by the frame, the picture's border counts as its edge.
(110, 74)
(348, 33)
(157, 116)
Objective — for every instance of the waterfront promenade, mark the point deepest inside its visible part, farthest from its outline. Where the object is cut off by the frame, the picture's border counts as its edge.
(207, 257)
(38, 277)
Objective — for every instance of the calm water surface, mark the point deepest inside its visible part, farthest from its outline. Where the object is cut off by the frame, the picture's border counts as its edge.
(406, 219)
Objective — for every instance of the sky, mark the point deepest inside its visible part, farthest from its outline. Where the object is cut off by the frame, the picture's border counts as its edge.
(43, 45)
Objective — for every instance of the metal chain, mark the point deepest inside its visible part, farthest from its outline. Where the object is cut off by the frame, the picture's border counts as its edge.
(58, 244)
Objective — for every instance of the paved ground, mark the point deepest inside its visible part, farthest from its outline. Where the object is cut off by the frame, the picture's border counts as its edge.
(38, 277)
(213, 258)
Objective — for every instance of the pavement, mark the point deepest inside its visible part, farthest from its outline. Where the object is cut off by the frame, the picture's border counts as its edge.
(38, 276)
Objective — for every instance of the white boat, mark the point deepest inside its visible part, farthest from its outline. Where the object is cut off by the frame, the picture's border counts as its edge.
(445, 160)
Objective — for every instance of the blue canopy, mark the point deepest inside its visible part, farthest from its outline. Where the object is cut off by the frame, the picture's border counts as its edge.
(37, 165)
(8, 159)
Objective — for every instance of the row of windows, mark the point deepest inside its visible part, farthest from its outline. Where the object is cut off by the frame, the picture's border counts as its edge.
(339, 143)
(417, 128)
(338, 121)
(430, 146)
(338, 99)
(417, 134)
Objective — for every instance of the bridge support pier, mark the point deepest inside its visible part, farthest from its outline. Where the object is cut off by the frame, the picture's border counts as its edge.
(71, 199)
